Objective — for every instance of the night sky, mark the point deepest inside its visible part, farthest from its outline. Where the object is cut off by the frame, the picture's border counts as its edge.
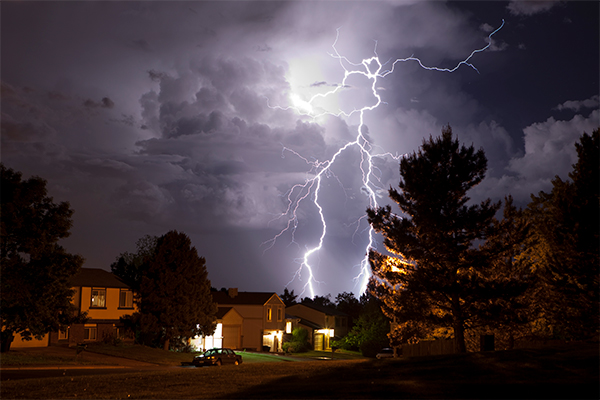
(152, 116)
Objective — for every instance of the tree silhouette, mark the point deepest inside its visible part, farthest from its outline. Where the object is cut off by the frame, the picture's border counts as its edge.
(564, 247)
(288, 298)
(36, 271)
(435, 275)
(174, 290)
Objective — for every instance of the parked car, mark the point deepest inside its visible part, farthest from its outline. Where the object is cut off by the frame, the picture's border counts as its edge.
(217, 357)
(385, 353)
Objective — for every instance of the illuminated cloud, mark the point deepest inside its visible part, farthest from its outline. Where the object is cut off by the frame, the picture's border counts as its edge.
(531, 7)
(163, 121)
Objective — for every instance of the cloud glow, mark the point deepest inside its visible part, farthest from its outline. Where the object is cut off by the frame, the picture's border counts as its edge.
(371, 69)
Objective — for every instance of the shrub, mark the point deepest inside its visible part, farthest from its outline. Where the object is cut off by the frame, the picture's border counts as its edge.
(299, 342)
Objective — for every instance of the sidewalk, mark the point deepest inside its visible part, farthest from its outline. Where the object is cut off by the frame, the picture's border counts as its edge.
(84, 360)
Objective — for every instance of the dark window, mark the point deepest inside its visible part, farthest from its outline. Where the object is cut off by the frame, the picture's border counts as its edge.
(126, 299)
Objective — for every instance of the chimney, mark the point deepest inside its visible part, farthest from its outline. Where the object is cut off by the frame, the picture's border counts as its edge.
(233, 292)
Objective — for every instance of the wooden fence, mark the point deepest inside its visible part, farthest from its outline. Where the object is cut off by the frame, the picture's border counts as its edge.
(429, 348)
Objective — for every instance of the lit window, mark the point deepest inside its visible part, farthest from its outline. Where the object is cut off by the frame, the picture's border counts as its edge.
(126, 299)
(288, 327)
(269, 315)
(89, 333)
(98, 297)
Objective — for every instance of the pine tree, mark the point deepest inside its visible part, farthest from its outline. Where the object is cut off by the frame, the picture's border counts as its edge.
(436, 275)
(564, 247)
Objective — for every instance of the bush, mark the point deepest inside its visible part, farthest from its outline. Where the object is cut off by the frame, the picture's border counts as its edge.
(299, 342)
(110, 338)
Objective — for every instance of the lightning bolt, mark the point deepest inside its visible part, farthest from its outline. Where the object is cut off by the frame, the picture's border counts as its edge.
(371, 68)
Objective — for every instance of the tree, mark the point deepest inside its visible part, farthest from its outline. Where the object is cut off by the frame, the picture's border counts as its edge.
(348, 304)
(174, 290)
(370, 331)
(321, 301)
(436, 276)
(130, 266)
(564, 247)
(36, 271)
(288, 298)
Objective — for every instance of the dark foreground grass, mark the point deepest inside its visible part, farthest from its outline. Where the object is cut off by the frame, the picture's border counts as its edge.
(560, 372)
(19, 359)
(142, 353)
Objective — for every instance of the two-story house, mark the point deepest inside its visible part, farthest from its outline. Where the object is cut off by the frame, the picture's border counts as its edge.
(248, 320)
(322, 323)
(105, 298)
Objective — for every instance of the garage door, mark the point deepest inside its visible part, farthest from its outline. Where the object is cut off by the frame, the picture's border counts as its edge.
(232, 336)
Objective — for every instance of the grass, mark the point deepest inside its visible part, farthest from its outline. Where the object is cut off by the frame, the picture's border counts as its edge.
(14, 358)
(558, 372)
(337, 355)
(142, 353)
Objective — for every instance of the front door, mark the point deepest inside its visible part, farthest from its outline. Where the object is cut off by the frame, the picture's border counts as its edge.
(318, 341)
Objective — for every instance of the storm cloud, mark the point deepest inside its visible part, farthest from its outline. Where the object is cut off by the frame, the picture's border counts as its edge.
(179, 117)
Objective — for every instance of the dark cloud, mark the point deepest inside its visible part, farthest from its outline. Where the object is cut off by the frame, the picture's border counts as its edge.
(140, 44)
(104, 103)
(182, 119)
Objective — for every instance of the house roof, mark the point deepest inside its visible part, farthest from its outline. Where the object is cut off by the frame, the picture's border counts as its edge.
(96, 277)
(245, 298)
(222, 311)
(324, 310)
(310, 324)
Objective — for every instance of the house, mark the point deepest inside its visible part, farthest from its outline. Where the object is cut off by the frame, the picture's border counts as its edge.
(228, 332)
(322, 323)
(104, 297)
(248, 320)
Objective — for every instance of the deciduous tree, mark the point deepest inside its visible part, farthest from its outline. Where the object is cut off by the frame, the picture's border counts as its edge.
(288, 298)
(36, 271)
(174, 296)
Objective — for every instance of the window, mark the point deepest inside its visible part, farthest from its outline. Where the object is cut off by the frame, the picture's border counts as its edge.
(90, 333)
(63, 335)
(126, 299)
(278, 314)
(288, 327)
(98, 297)
(269, 314)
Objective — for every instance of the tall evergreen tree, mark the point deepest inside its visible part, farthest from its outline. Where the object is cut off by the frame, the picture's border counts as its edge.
(36, 271)
(436, 276)
(564, 247)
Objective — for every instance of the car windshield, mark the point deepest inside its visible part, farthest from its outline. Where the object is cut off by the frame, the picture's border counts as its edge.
(386, 351)
(210, 352)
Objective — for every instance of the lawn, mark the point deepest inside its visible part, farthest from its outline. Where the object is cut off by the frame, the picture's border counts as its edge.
(557, 372)
(19, 359)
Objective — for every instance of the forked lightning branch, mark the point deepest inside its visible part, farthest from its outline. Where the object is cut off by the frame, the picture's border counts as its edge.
(309, 190)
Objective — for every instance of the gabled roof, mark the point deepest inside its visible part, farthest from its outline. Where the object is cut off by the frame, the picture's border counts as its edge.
(323, 309)
(243, 298)
(222, 311)
(96, 277)
(308, 323)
